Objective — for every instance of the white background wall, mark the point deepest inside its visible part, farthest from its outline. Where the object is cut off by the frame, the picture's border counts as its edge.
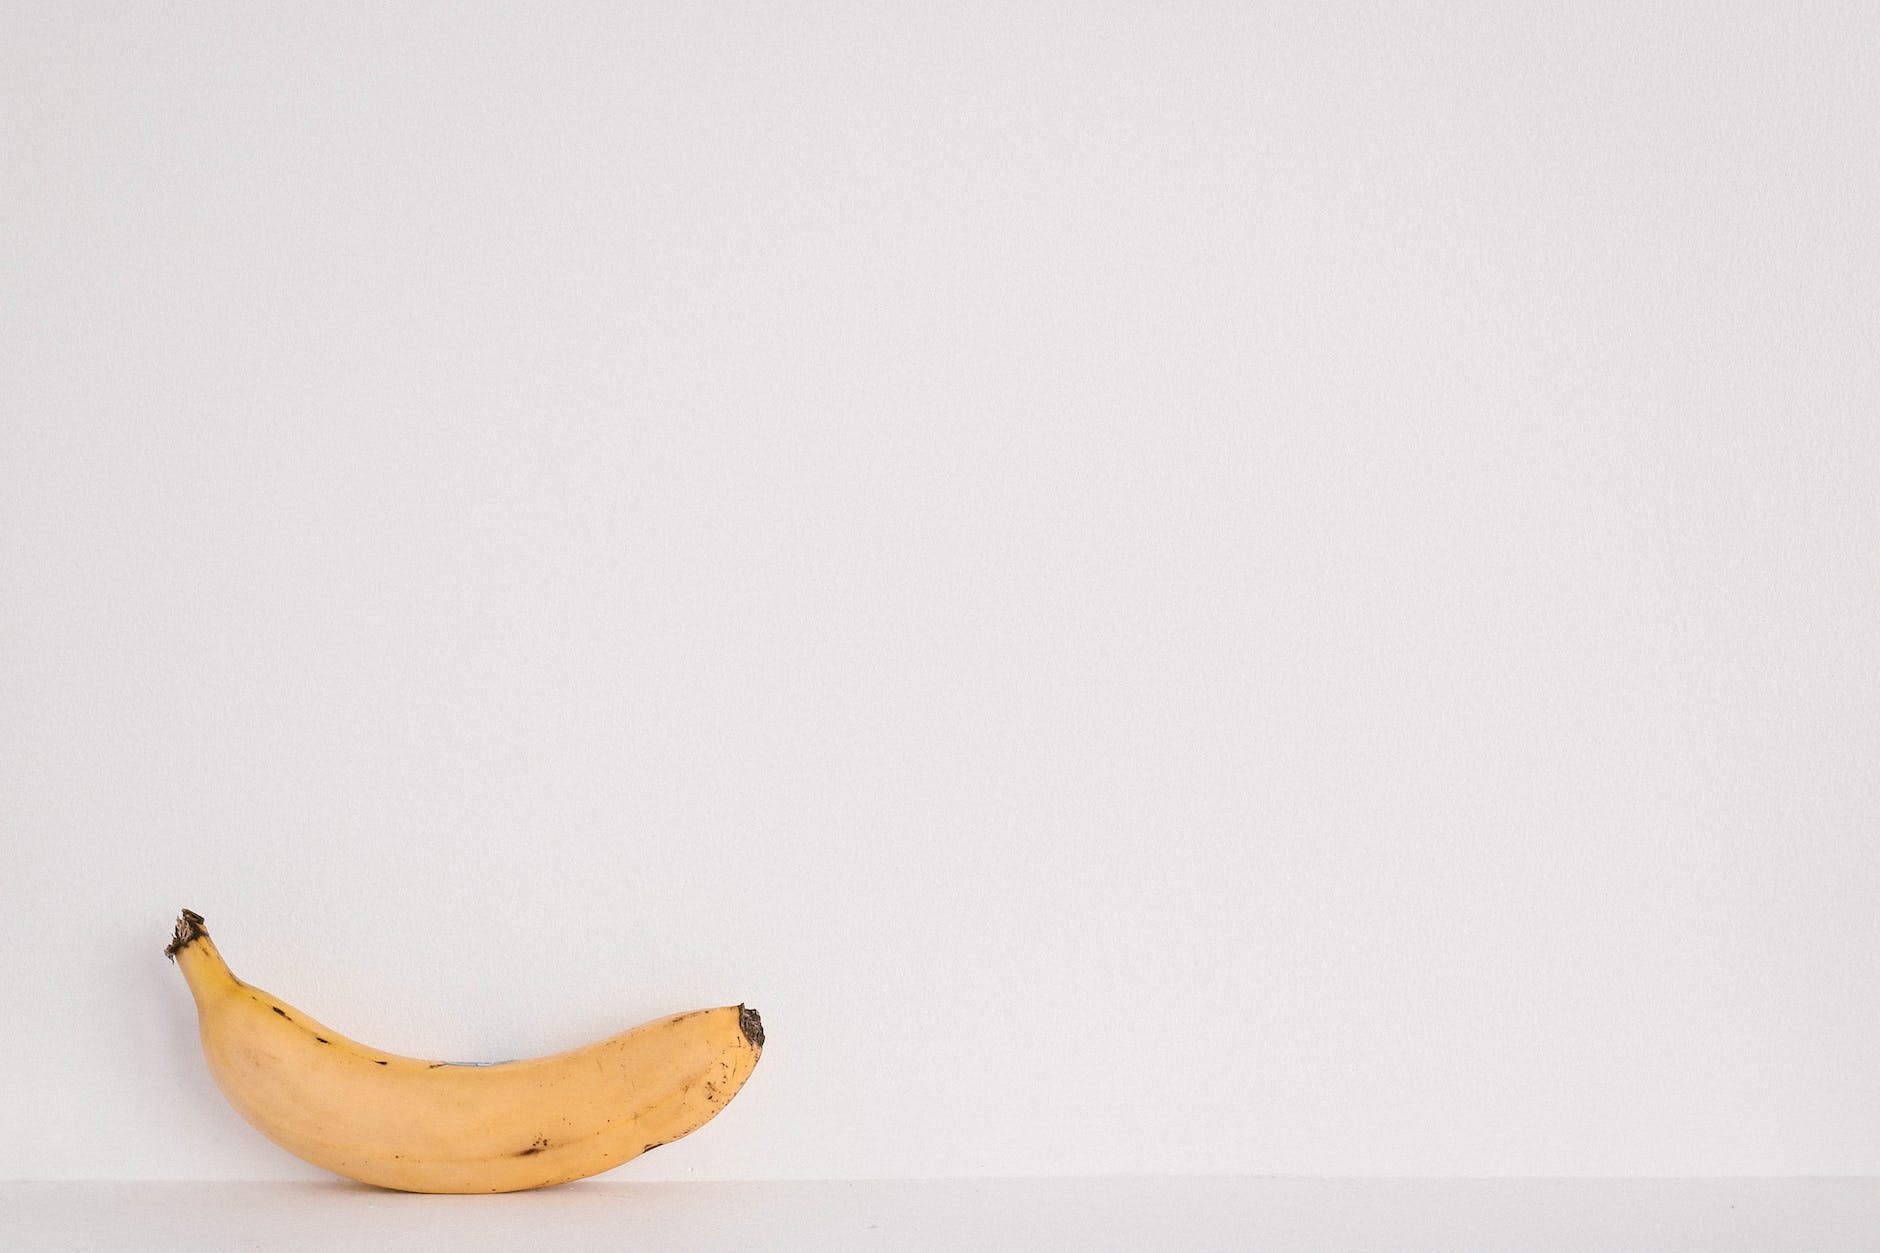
(1214, 588)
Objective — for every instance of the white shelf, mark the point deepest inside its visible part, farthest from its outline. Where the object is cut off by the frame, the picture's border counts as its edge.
(1535, 1216)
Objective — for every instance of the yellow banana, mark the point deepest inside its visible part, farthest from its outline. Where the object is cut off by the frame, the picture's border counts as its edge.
(418, 1126)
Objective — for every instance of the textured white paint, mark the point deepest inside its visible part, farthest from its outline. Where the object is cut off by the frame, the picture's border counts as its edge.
(1239, 588)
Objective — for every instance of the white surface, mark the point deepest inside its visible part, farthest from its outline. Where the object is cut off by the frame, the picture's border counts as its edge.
(1244, 588)
(1020, 1215)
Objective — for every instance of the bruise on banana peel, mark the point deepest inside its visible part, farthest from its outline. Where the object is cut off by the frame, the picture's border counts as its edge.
(424, 1126)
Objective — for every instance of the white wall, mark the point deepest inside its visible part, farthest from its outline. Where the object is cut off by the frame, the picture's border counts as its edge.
(1238, 588)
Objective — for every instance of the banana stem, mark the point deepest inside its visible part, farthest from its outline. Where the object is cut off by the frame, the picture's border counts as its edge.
(202, 964)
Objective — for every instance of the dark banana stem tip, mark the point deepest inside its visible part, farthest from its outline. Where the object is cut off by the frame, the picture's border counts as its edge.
(189, 929)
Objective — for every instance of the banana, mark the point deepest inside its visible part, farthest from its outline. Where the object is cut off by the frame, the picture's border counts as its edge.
(422, 1126)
